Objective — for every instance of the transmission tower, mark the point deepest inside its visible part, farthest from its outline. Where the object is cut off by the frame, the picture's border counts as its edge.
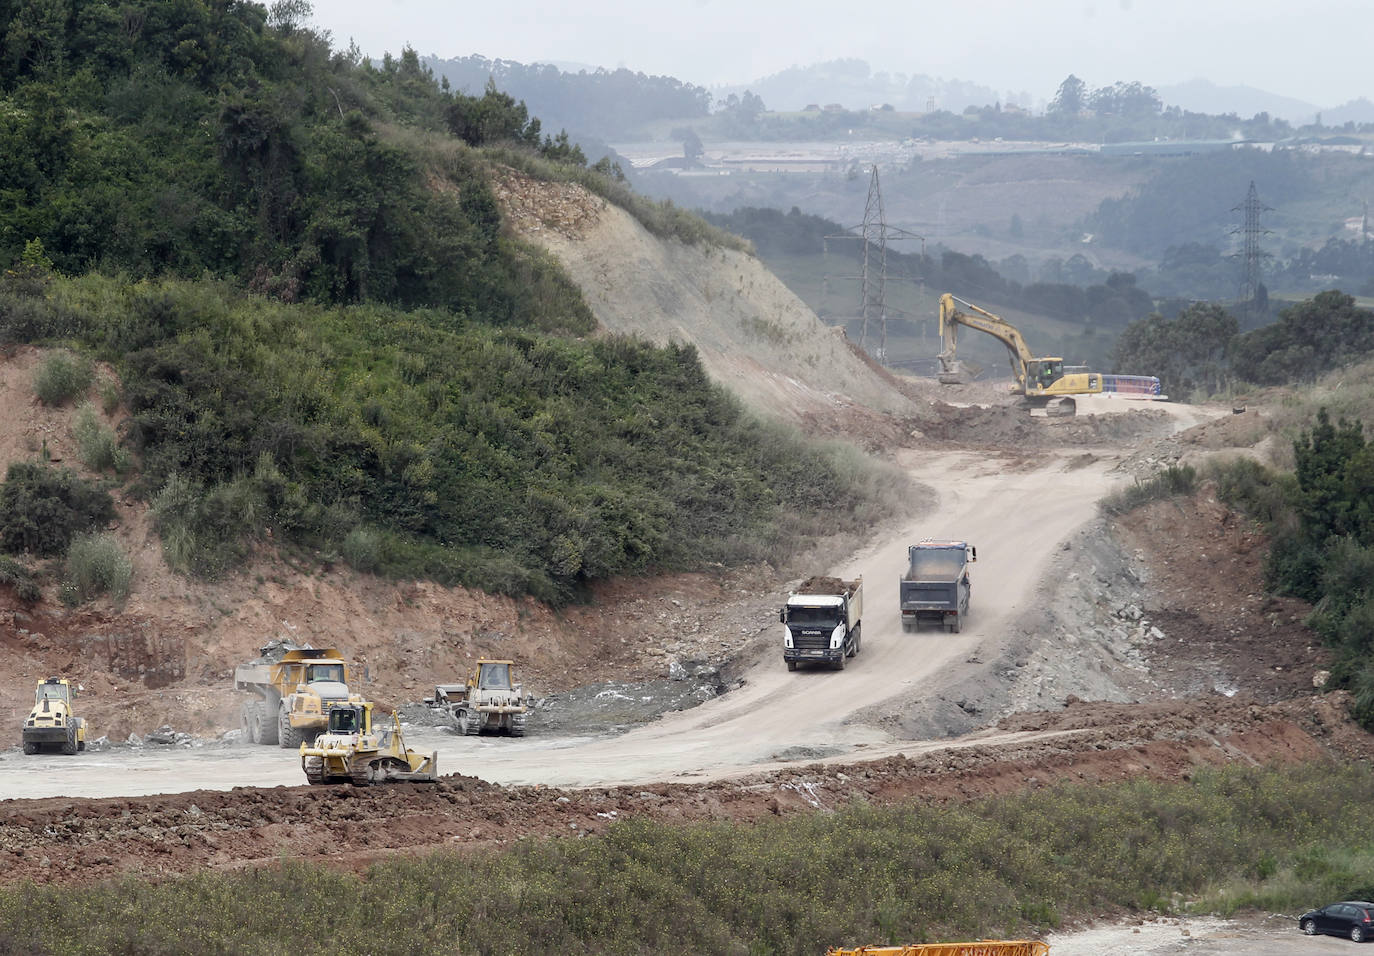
(1250, 254)
(874, 233)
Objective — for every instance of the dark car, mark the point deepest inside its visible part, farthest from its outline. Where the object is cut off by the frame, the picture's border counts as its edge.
(1353, 918)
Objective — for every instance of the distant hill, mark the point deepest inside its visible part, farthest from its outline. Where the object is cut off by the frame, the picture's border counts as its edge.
(1204, 96)
(853, 85)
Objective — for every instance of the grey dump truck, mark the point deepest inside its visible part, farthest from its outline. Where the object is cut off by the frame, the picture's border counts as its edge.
(936, 585)
(821, 622)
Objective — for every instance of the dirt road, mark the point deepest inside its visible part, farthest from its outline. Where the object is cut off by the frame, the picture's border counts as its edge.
(1016, 511)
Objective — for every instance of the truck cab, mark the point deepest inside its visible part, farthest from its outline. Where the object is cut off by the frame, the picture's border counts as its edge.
(821, 622)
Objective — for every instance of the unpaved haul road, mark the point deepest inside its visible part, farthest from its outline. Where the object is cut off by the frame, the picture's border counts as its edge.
(1016, 515)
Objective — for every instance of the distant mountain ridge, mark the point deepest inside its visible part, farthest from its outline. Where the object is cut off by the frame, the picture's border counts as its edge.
(1203, 96)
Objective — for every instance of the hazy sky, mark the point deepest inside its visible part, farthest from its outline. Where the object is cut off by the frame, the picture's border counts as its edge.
(1317, 50)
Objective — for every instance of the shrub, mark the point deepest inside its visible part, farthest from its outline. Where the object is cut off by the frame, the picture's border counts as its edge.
(96, 564)
(1169, 483)
(61, 378)
(96, 444)
(42, 508)
(20, 578)
(362, 549)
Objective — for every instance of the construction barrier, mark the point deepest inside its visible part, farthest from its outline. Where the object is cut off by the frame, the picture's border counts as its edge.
(986, 947)
(1131, 386)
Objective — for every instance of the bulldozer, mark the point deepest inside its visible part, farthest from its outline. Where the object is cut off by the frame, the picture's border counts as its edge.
(1043, 383)
(351, 750)
(53, 721)
(489, 701)
(291, 688)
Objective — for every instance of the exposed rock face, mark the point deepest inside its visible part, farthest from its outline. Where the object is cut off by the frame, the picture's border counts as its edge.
(753, 335)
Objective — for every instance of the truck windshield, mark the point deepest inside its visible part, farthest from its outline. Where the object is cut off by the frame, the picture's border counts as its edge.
(332, 672)
(813, 616)
(944, 563)
(494, 677)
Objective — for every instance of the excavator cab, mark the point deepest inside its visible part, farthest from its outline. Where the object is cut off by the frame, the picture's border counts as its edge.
(347, 719)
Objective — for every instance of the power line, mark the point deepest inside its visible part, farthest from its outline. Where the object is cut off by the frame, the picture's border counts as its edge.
(874, 232)
(1251, 254)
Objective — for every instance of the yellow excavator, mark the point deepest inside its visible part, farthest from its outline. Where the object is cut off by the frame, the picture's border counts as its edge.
(1042, 382)
(351, 751)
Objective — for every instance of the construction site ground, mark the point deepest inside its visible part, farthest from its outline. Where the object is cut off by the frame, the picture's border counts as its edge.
(1096, 650)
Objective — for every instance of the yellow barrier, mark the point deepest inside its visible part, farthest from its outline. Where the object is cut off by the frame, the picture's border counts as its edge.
(986, 947)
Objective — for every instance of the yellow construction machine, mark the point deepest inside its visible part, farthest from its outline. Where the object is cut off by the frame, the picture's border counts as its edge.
(53, 721)
(1042, 382)
(491, 700)
(987, 947)
(350, 750)
(290, 688)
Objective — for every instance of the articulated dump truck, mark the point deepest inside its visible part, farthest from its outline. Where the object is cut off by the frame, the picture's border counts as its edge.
(291, 688)
(821, 622)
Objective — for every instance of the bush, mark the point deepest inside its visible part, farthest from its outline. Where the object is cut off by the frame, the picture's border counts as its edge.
(96, 564)
(61, 378)
(42, 508)
(20, 578)
(96, 444)
(1169, 483)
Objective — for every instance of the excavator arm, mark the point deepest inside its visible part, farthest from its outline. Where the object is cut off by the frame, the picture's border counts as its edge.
(1043, 382)
(951, 317)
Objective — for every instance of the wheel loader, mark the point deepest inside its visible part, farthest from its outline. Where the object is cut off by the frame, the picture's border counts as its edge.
(351, 750)
(489, 701)
(53, 722)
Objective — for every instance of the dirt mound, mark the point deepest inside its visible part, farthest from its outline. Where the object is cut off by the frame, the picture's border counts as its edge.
(78, 841)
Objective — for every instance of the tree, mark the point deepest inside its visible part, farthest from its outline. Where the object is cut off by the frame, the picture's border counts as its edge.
(1071, 98)
(691, 143)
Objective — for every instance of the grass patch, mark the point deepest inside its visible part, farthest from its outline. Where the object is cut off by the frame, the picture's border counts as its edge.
(1228, 838)
(96, 444)
(96, 565)
(1172, 482)
(62, 377)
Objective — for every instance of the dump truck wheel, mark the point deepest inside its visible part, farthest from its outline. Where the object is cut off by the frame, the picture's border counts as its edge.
(30, 747)
(267, 727)
(791, 665)
(839, 662)
(248, 722)
(69, 745)
(517, 725)
(858, 636)
(287, 736)
(958, 624)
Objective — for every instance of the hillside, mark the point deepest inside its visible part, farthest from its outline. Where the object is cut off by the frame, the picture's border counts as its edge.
(753, 335)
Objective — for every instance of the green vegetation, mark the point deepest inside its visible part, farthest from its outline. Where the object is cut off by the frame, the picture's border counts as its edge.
(20, 578)
(96, 443)
(96, 565)
(507, 460)
(1172, 482)
(1202, 351)
(912, 873)
(42, 508)
(61, 378)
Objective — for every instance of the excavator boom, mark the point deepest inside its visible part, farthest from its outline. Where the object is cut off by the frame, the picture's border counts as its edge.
(1042, 381)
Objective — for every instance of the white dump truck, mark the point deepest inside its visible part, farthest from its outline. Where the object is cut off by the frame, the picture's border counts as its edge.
(821, 622)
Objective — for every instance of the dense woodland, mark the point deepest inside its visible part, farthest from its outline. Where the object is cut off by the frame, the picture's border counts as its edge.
(293, 261)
